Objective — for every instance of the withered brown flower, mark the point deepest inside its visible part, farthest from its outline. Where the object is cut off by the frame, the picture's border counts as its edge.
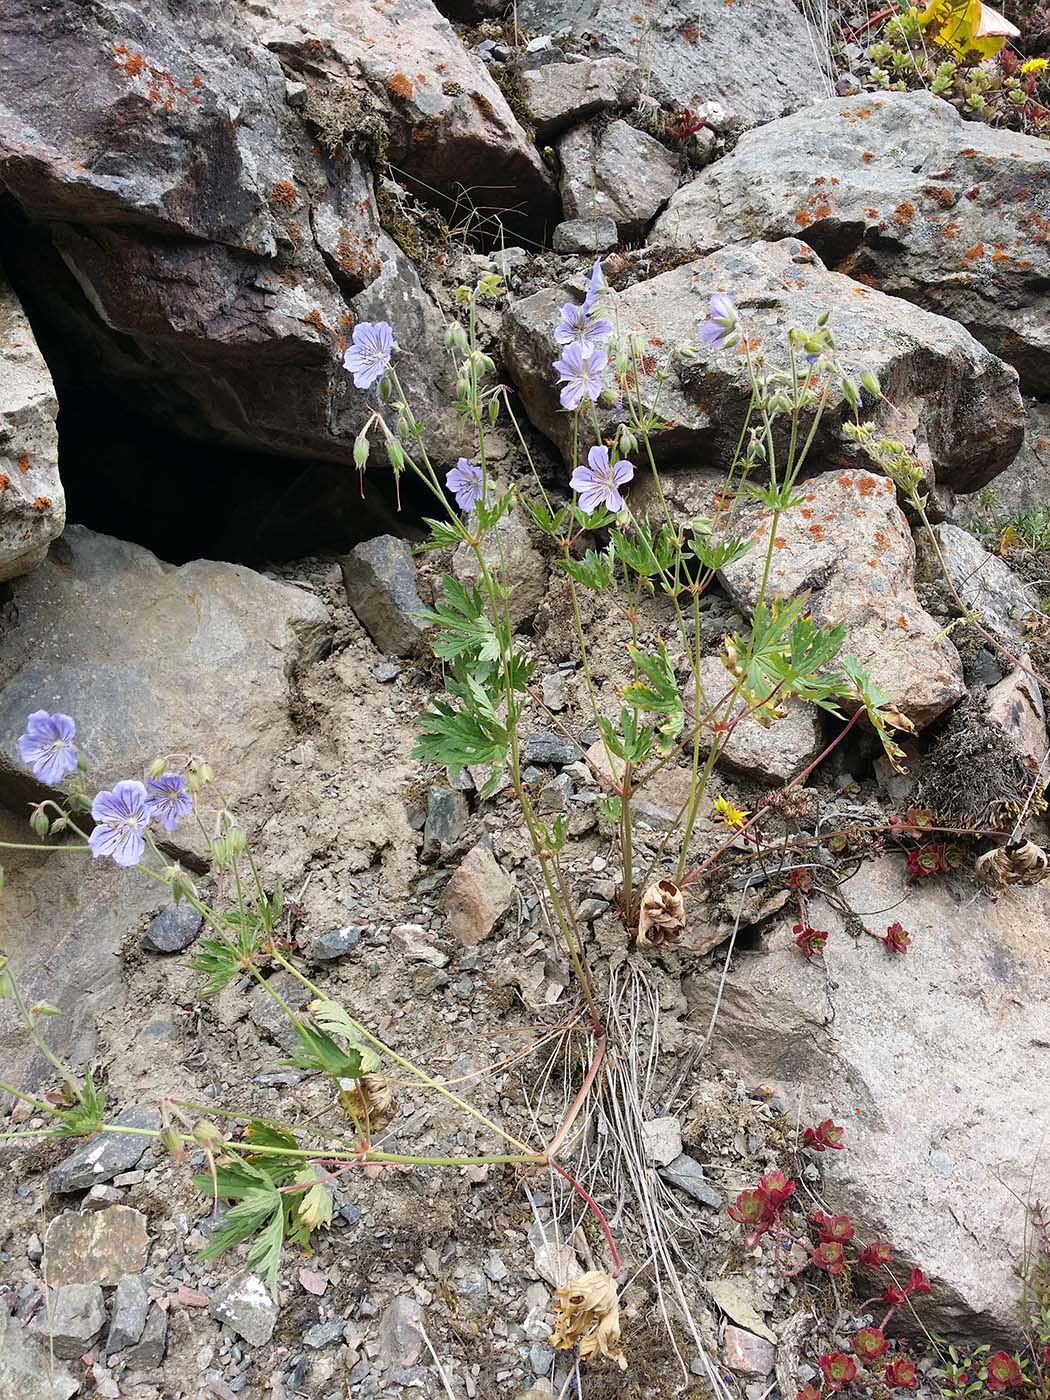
(662, 917)
(587, 1314)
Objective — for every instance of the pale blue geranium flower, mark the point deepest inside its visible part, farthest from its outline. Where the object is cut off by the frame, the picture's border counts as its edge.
(168, 800)
(368, 356)
(467, 481)
(580, 374)
(47, 745)
(121, 818)
(599, 481)
(719, 330)
(579, 325)
(596, 284)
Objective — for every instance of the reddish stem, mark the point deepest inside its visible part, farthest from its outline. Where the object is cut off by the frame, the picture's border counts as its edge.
(577, 1103)
(593, 1204)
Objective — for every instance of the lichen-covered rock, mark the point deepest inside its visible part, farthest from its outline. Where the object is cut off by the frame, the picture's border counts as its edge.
(900, 192)
(952, 402)
(756, 57)
(560, 94)
(1025, 484)
(616, 172)
(447, 121)
(189, 241)
(850, 547)
(95, 1247)
(936, 1063)
(32, 502)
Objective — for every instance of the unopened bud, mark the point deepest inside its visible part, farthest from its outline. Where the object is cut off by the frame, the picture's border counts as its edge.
(396, 454)
(455, 337)
(871, 384)
(207, 1134)
(236, 841)
(157, 767)
(39, 822)
(171, 1141)
(360, 451)
(851, 393)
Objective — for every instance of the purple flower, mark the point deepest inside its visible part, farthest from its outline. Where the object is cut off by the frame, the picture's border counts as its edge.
(121, 817)
(579, 326)
(596, 284)
(579, 372)
(719, 330)
(598, 482)
(468, 482)
(368, 357)
(47, 744)
(168, 800)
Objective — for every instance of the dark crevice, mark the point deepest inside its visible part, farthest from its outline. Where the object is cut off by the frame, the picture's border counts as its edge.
(129, 471)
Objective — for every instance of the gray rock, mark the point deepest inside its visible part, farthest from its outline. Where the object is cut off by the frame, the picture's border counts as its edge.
(555, 689)
(773, 754)
(985, 582)
(400, 1340)
(174, 929)
(556, 795)
(446, 117)
(98, 1246)
(1016, 706)
(972, 968)
(898, 189)
(508, 547)
(952, 403)
(586, 235)
(148, 1352)
(447, 815)
(268, 1016)
(1024, 486)
(850, 544)
(324, 1334)
(550, 749)
(477, 897)
(559, 95)
(128, 1320)
(616, 172)
(27, 1371)
(380, 580)
(106, 1155)
(77, 1313)
(472, 1290)
(336, 943)
(541, 1359)
(758, 60)
(244, 1304)
(32, 502)
(687, 1174)
(662, 1140)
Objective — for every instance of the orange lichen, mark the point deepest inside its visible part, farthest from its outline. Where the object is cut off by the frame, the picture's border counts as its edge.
(42, 503)
(5, 482)
(803, 219)
(285, 193)
(943, 195)
(24, 464)
(867, 157)
(972, 254)
(399, 86)
(904, 214)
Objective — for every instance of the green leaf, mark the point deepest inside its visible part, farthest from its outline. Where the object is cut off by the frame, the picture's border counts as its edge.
(220, 962)
(644, 552)
(594, 570)
(334, 1018)
(87, 1114)
(632, 741)
(656, 690)
(264, 1256)
(320, 1053)
(444, 534)
(463, 628)
(548, 521)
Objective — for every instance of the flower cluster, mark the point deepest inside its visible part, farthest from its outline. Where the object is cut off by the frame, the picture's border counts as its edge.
(122, 813)
(584, 332)
(827, 1134)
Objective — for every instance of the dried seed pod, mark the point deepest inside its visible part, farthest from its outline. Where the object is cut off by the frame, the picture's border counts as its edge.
(370, 1099)
(587, 1314)
(1023, 863)
(662, 917)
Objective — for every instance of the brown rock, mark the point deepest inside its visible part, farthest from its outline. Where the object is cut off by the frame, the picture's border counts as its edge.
(747, 1354)
(1016, 706)
(477, 897)
(100, 1246)
(773, 754)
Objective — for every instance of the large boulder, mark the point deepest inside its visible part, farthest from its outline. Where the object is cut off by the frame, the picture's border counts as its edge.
(954, 404)
(1023, 487)
(32, 502)
(850, 547)
(616, 171)
(447, 122)
(150, 660)
(216, 249)
(936, 1063)
(756, 59)
(902, 193)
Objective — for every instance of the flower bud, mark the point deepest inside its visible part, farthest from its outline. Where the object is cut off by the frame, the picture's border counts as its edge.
(39, 822)
(204, 772)
(851, 393)
(157, 767)
(236, 841)
(220, 851)
(455, 337)
(207, 1134)
(171, 1141)
(360, 451)
(871, 384)
(396, 454)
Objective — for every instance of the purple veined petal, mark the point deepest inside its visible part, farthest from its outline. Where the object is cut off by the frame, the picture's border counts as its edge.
(581, 479)
(120, 843)
(168, 800)
(591, 499)
(571, 396)
(125, 799)
(614, 500)
(598, 361)
(722, 307)
(598, 458)
(368, 356)
(47, 746)
(622, 471)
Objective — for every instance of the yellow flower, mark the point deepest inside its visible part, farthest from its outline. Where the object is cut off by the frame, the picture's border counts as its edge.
(726, 811)
(1035, 65)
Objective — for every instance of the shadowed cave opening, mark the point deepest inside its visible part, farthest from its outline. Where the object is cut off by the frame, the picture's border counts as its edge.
(129, 472)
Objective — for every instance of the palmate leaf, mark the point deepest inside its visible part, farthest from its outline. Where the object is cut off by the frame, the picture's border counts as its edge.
(594, 570)
(879, 709)
(86, 1115)
(264, 1256)
(318, 1052)
(656, 690)
(334, 1018)
(788, 654)
(462, 626)
(644, 551)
